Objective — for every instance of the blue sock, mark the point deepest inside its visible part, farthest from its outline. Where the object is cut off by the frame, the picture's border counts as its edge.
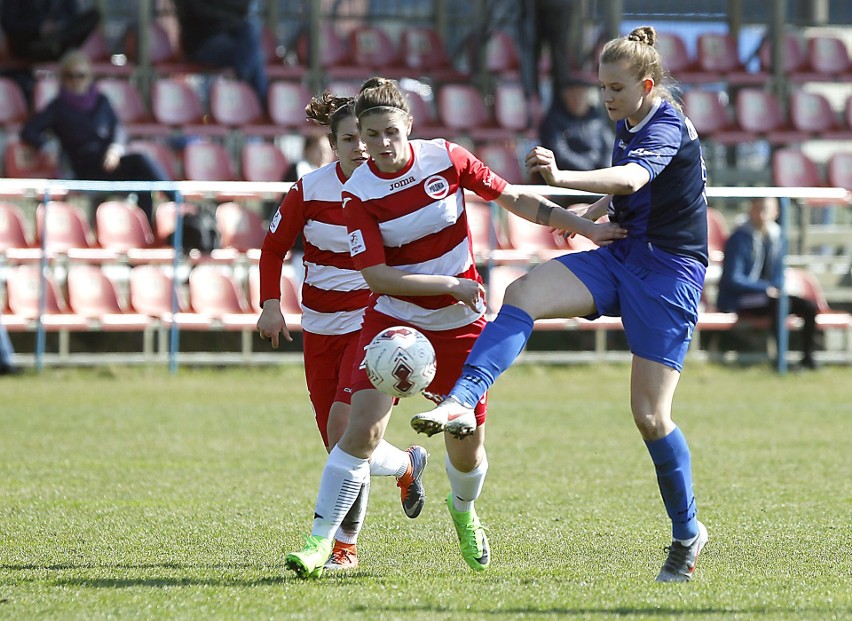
(495, 350)
(674, 476)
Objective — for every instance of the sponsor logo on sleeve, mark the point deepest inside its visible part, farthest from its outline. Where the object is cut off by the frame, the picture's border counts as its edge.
(436, 187)
(356, 243)
(276, 220)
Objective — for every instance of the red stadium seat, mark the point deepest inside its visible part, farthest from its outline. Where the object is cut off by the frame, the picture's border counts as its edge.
(795, 56)
(176, 104)
(214, 293)
(24, 162)
(708, 111)
(462, 111)
(425, 122)
(239, 228)
(207, 161)
(422, 52)
(792, 168)
(123, 227)
(501, 55)
(287, 101)
(840, 170)
(160, 153)
(372, 48)
(717, 54)
(678, 61)
(15, 244)
(334, 51)
(46, 89)
(263, 161)
(93, 295)
(23, 293)
(759, 114)
(511, 108)
(67, 231)
(829, 57)
(717, 234)
(503, 160)
(529, 242)
(485, 234)
(130, 108)
(234, 103)
(13, 105)
(151, 293)
(812, 113)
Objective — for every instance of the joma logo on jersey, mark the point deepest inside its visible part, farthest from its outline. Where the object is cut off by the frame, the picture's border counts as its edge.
(436, 187)
(401, 183)
(642, 153)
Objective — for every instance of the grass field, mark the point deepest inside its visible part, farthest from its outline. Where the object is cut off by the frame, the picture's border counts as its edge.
(131, 493)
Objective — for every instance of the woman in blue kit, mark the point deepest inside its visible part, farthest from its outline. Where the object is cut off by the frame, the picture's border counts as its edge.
(652, 279)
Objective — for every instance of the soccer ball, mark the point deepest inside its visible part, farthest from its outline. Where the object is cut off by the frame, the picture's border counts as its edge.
(400, 361)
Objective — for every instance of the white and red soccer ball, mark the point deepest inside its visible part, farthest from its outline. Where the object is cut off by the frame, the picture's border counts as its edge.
(400, 361)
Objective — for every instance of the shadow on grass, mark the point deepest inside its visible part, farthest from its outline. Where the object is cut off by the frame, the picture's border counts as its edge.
(671, 612)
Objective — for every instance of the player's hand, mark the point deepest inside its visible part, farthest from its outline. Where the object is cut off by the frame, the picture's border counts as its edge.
(543, 162)
(271, 324)
(605, 233)
(470, 293)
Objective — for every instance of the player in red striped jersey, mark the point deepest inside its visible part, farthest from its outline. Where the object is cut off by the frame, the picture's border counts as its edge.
(408, 234)
(334, 296)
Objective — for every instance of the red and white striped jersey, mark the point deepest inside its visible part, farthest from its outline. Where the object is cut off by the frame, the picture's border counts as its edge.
(415, 220)
(334, 294)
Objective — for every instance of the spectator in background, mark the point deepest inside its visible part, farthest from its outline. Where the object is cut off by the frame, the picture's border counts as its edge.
(89, 132)
(316, 153)
(575, 130)
(553, 24)
(43, 30)
(752, 273)
(219, 33)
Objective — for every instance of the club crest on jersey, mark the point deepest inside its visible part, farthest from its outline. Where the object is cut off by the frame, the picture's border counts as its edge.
(437, 187)
(276, 220)
(401, 183)
(356, 243)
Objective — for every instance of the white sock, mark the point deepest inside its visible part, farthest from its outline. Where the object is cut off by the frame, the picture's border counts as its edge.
(341, 481)
(687, 542)
(388, 461)
(466, 486)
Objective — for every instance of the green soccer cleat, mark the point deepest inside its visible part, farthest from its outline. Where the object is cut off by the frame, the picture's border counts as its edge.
(310, 562)
(471, 532)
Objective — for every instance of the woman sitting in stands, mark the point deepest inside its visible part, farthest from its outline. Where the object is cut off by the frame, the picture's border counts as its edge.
(89, 132)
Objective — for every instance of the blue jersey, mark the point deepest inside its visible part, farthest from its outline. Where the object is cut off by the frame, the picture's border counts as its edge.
(670, 211)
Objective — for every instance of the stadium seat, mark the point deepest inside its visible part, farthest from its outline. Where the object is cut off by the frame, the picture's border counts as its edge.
(151, 293)
(709, 113)
(235, 104)
(214, 293)
(462, 111)
(503, 159)
(263, 161)
(240, 228)
(207, 161)
(287, 101)
(164, 56)
(24, 162)
(275, 63)
(93, 295)
(23, 297)
(333, 48)
(160, 153)
(45, 90)
(840, 170)
(760, 116)
(67, 231)
(512, 110)
(123, 227)
(97, 49)
(812, 114)
(13, 105)
(15, 244)
(502, 57)
(529, 242)
(175, 104)
(372, 52)
(795, 57)
(130, 108)
(717, 55)
(425, 122)
(422, 52)
(717, 234)
(678, 61)
(829, 57)
(792, 168)
(485, 235)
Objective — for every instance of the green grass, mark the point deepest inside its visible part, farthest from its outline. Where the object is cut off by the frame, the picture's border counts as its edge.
(131, 493)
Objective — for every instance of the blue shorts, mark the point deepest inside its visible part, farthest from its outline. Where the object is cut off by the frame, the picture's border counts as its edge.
(659, 311)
